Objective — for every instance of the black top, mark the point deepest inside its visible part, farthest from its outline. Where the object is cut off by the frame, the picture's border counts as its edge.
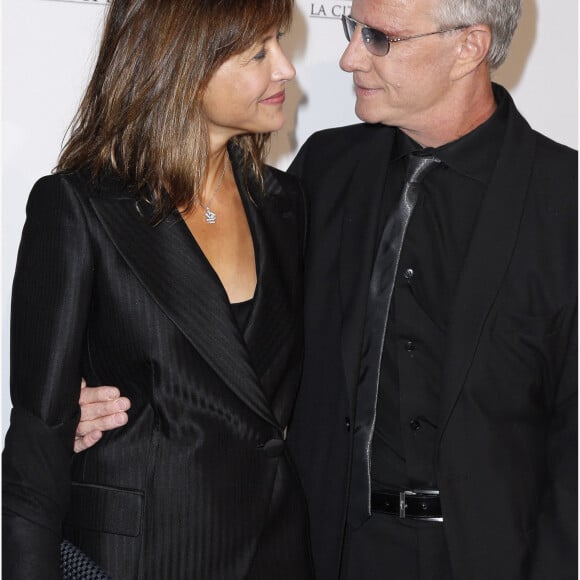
(431, 259)
(242, 311)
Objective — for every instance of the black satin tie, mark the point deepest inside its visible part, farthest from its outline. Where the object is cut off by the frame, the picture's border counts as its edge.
(380, 292)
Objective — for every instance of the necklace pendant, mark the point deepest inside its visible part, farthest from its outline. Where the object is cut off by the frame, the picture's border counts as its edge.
(210, 216)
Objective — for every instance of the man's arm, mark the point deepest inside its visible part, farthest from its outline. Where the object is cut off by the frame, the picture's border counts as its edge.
(102, 409)
(554, 554)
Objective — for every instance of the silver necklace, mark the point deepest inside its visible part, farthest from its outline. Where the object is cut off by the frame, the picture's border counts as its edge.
(210, 216)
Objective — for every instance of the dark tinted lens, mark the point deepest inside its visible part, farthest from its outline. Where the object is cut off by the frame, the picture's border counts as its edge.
(348, 26)
(376, 41)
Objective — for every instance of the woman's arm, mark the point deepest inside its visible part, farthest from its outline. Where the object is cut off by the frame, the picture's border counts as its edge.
(50, 304)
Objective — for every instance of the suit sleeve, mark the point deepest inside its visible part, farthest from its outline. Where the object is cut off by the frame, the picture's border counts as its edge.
(555, 552)
(50, 301)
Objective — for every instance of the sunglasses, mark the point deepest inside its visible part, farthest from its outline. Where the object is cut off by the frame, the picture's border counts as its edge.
(377, 42)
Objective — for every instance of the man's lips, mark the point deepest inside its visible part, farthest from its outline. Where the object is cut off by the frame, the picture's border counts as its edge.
(276, 99)
(364, 91)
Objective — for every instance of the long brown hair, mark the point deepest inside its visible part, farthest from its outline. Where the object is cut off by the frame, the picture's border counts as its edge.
(141, 114)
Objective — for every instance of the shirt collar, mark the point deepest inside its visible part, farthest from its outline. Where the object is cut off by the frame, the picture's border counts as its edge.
(473, 155)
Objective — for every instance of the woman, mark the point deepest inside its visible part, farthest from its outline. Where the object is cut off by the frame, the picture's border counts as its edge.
(164, 257)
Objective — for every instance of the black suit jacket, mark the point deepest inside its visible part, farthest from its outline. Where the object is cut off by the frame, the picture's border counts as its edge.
(506, 458)
(198, 484)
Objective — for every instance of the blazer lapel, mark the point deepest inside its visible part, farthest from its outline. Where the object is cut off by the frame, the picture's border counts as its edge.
(271, 328)
(488, 257)
(172, 268)
(358, 242)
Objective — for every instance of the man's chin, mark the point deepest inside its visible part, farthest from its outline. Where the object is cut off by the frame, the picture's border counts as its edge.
(368, 116)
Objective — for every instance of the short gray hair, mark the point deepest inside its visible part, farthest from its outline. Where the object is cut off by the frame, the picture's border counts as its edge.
(500, 15)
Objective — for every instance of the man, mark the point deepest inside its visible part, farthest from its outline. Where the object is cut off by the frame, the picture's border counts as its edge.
(435, 431)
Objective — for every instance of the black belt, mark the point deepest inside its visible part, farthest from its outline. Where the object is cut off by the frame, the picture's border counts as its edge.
(419, 504)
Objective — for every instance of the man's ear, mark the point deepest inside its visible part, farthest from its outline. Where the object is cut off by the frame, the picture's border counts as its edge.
(472, 50)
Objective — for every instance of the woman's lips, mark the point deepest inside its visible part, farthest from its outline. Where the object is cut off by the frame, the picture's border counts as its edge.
(276, 99)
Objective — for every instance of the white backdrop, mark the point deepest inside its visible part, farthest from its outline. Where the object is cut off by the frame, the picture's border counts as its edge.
(48, 47)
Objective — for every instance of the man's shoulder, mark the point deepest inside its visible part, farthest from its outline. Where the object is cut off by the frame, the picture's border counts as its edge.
(358, 129)
(553, 183)
(547, 151)
(330, 149)
(280, 183)
(551, 152)
(553, 166)
(283, 177)
(555, 172)
(347, 136)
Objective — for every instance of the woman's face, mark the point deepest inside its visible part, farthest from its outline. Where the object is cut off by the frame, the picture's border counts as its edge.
(246, 94)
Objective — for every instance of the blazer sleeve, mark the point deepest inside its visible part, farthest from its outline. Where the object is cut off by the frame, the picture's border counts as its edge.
(50, 301)
(554, 554)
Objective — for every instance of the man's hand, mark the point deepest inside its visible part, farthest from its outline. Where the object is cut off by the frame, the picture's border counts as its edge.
(102, 409)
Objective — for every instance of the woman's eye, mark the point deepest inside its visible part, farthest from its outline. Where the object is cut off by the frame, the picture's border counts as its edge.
(260, 55)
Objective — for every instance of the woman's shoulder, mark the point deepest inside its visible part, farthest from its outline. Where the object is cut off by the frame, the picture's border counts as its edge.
(57, 189)
(65, 193)
(79, 183)
(60, 179)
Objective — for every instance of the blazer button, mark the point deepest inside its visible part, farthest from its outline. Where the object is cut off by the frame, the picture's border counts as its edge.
(273, 447)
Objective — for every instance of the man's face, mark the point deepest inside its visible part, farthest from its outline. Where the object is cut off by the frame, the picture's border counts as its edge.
(407, 87)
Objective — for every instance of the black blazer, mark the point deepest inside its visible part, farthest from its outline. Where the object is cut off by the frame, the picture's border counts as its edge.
(506, 458)
(198, 484)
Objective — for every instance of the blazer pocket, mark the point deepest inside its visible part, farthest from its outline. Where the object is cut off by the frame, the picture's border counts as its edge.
(517, 324)
(530, 347)
(102, 508)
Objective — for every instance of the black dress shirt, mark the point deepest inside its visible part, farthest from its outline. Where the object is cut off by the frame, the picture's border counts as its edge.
(436, 242)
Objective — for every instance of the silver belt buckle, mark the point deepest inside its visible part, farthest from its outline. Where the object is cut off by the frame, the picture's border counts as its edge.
(403, 503)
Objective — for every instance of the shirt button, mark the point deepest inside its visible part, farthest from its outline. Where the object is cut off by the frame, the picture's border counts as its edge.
(414, 424)
(347, 423)
(408, 273)
(410, 346)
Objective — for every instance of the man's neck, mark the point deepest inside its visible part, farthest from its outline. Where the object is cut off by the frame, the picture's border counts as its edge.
(458, 117)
